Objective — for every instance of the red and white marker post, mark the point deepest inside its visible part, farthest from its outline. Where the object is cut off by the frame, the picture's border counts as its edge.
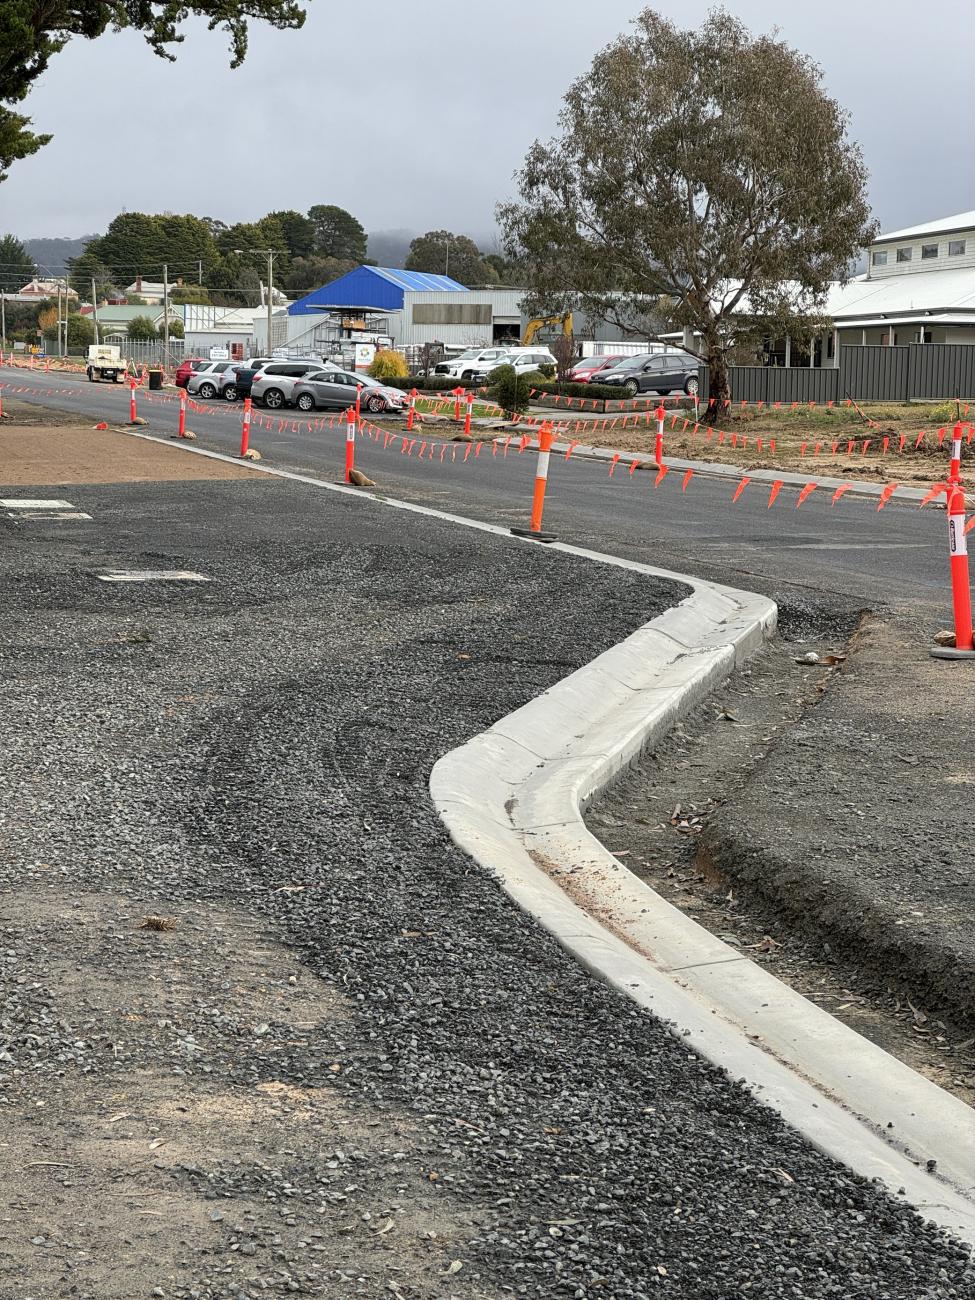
(182, 412)
(132, 411)
(458, 394)
(534, 531)
(470, 412)
(351, 420)
(245, 429)
(658, 443)
(954, 469)
(411, 414)
(961, 592)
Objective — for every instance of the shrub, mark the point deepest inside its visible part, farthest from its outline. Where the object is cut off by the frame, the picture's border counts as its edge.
(388, 364)
(141, 329)
(425, 383)
(600, 392)
(547, 370)
(509, 389)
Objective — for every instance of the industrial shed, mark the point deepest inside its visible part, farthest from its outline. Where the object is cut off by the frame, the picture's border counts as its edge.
(409, 308)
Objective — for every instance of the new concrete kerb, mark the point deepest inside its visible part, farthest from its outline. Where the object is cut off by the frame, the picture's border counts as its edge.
(512, 798)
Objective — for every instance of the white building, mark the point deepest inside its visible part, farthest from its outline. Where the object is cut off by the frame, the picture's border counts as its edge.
(229, 328)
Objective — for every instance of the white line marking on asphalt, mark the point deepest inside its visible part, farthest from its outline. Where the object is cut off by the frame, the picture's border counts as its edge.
(152, 575)
(47, 514)
(27, 503)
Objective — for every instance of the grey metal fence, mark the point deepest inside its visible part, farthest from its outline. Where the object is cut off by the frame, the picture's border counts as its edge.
(914, 372)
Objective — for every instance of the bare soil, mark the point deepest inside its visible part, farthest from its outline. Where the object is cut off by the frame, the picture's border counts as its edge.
(668, 821)
(816, 429)
(53, 448)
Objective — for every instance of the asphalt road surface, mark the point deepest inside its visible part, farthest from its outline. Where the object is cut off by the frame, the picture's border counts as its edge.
(847, 555)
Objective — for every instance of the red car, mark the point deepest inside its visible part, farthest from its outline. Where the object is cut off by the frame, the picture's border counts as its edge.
(187, 367)
(587, 370)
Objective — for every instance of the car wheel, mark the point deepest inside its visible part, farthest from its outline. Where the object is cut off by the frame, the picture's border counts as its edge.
(631, 388)
(664, 392)
(207, 390)
(305, 402)
(375, 403)
(274, 398)
(692, 387)
(230, 393)
(467, 376)
(91, 377)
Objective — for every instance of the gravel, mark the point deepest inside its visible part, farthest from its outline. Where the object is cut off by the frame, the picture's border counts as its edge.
(246, 761)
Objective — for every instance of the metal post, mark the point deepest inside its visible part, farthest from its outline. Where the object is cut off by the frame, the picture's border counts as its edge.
(3, 318)
(270, 297)
(165, 360)
(94, 307)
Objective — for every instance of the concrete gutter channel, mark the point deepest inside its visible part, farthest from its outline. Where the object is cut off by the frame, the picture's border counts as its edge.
(512, 798)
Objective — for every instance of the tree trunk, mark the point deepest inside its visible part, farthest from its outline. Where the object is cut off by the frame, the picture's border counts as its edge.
(719, 386)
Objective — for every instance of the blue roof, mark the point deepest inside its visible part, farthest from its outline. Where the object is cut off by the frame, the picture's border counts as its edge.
(379, 287)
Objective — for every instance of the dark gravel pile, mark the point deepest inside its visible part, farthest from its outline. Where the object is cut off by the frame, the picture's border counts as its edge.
(263, 744)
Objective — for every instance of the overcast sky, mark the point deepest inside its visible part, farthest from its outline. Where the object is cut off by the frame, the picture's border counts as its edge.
(416, 115)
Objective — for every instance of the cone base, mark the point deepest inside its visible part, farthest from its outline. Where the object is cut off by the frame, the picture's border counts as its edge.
(535, 537)
(949, 652)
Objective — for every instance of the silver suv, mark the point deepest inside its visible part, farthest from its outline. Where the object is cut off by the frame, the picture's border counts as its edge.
(218, 379)
(273, 385)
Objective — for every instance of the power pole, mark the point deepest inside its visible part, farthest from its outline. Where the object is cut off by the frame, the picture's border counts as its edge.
(270, 297)
(3, 318)
(199, 271)
(60, 353)
(165, 313)
(94, 307)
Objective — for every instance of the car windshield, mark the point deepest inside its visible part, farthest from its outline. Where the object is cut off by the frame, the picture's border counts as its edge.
(633, 363)
(469, 355)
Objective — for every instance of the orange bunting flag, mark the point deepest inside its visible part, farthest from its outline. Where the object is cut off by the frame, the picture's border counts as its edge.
(758, 444)
(920, 439)
(613, 463)
(886, 494)
(477, 449)
(849, 446)
(662, 473)
(776, 489)
(866, 445)
(740, 488)
(687, 478)
(903, 440)
(886, 445)
(633, 466)
(841, 491)
(467, 450)
(806, 491)
(941, 436)
(802, 449)
(771, 443)
(936, 490)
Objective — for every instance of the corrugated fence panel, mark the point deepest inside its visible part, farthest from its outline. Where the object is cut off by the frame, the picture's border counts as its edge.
(801, 384)
(875, 374)
(942, 370)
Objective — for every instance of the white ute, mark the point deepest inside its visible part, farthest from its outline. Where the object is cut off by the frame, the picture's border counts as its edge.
(105, 361)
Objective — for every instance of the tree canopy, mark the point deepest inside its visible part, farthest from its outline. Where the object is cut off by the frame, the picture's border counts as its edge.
(32, 31)
(733, 201)
(337, 233)
(142, 330)
(441, 252)
(17, 266)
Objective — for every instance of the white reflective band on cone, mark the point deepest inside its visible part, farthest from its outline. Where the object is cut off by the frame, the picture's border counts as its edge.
(542, 470)
(957, 541)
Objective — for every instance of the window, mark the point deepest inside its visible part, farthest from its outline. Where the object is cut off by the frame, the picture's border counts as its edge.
(928, 250)
(880, 259)
(956, 247)
(905, 254)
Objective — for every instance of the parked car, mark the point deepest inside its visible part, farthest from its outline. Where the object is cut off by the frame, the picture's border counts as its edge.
(336, 389)
(247, 371)
(588, 370)
(186, 368)
(216, 379)
(655, 372)
(470, 362)
(273, 385)
(523, 361)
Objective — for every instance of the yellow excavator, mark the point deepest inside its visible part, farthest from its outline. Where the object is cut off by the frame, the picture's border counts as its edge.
(535, 327)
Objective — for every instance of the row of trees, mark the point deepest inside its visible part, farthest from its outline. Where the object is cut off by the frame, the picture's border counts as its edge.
(226, 264)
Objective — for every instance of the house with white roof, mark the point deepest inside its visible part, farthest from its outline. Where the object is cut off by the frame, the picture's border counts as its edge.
(919, 287)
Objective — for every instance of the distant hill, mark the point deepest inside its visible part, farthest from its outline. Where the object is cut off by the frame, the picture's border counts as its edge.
(51, 255)
(390, 247)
